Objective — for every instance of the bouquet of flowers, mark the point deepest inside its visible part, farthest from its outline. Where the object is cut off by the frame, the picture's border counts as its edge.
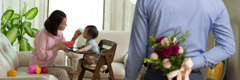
(168, 52)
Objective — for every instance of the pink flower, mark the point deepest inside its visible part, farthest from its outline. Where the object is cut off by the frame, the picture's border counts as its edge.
(166, 63)
(164, 42)
(154, 56)
(180, 50)
(175, 49)
(167, 52)
(158, 40)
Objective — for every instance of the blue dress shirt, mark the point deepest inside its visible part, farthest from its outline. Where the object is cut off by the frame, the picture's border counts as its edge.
(200, 17)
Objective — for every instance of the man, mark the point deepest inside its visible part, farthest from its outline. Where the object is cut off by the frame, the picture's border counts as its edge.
(161, 17)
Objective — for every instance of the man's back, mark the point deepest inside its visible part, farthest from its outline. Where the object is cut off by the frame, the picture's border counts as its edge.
(200, 17)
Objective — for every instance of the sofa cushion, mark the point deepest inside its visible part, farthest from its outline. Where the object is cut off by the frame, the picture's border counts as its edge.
(8, 52)
(60, 59)
(24, 58)
(4, 67)
(120, 37)
(22, 72)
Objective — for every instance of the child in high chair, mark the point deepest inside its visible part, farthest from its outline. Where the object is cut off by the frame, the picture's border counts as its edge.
(90, 33)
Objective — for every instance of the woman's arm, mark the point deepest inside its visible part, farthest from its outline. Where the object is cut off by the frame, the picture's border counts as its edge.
(76, 35)
(60, 46)
(41, 46)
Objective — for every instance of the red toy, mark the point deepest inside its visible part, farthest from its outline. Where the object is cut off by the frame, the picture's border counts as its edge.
(69, 43)
(44, 70)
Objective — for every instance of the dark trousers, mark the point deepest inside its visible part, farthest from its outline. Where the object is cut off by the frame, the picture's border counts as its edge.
(152, 74)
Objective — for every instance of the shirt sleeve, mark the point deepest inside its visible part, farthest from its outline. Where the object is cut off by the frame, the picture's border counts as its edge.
(62, 39)
(138, 40)
(225, 48)
(89, 42)
(42, 52)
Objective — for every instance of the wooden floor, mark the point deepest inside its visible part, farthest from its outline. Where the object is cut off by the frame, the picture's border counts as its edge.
(138, 78)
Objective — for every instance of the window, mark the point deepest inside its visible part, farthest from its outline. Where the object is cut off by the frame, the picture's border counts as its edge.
(80, 13)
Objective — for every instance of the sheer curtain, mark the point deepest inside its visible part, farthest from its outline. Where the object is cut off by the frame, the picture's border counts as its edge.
(118, 15)
(1, 8)
(17, 5)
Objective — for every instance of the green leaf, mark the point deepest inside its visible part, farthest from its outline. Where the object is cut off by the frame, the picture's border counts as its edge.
(183, 39)
(15, 15)
(31, 13)
(154, 45)
(34, 31)
(10, 7)
(7, 16)
(148, 60)
(29, 31)
(9, 26)
(23, 11)
(24, 45)
(15, 21)
(26, 24)
(2, 27)
(17, 26)
(12, 34)
(3, 31)
(175, 31)
(31, 48)
(187, 32)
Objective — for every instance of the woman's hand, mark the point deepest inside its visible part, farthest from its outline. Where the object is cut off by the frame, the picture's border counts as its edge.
(76, 35)
(60, 46)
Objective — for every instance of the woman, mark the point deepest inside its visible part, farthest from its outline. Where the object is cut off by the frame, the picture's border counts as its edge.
(48, 42)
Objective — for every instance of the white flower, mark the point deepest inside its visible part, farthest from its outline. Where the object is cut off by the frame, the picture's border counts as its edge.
(164, 42)
(154, 56)
(166, 63)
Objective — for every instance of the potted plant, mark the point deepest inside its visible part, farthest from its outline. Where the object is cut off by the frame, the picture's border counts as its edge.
(14, 26)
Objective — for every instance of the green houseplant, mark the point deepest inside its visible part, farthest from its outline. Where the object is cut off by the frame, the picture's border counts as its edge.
(14, 26)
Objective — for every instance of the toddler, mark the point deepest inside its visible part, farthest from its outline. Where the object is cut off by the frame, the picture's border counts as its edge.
(90, 33)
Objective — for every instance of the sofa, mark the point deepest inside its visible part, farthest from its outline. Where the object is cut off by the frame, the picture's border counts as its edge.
(121, 38)
(19, 61)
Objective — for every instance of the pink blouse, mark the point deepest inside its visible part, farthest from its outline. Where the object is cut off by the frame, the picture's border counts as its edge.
(44, 42)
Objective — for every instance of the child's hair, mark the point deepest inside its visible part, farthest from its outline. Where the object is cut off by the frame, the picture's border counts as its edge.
(92, 31)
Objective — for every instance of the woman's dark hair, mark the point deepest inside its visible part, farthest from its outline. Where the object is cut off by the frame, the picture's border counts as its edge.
(92, 31)
(53, 21)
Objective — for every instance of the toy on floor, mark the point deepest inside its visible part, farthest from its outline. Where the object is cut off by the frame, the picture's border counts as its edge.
(12, 73)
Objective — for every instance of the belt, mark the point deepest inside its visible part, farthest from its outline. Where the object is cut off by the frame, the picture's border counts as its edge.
(153, 65)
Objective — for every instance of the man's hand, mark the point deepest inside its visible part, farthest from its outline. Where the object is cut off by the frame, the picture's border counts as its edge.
(184, 72)
(186, 68)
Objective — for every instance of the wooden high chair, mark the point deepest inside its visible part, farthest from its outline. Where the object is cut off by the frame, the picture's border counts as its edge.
(106, 58)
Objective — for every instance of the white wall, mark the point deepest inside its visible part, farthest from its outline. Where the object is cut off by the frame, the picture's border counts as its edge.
(80, 13)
